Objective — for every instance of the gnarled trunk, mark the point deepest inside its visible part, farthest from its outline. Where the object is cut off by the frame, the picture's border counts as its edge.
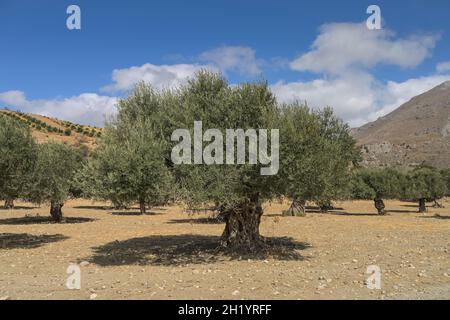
(56, 211)
(325, 207)
(242, 226)
(296, 209)
(422, 206)
(142, 206)
(9, 204)
(438, 205)
(379, 205)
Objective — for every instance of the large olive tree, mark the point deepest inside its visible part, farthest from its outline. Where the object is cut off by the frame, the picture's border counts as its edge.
(237, 186)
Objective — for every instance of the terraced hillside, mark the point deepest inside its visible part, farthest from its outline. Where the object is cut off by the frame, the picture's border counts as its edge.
(47, 129)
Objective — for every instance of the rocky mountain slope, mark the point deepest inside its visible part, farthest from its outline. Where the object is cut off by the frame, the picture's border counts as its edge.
(416, 133)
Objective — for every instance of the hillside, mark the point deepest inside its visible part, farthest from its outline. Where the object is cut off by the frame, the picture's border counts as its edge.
(46, 129)
(418, 132)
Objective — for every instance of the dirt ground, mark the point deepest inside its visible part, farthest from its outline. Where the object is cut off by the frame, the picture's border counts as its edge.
(168, 254)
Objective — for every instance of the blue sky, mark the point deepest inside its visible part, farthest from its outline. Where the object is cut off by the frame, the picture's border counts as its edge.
(319, 51)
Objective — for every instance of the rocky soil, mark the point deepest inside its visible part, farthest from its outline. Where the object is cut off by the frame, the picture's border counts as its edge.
(168, 254)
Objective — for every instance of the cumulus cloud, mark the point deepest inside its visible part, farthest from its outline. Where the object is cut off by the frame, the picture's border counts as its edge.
(14, 98)
(351, 98)
(233, 58)
(394, 94)
(443, 67)
(357, 99)
(87, 108)
(341, 47)
(159, 76)
(344, 54)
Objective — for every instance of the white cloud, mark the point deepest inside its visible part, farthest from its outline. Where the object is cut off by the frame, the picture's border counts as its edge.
(237, 59)
(14, 98)
(394, 94)
(342, 47)
(344, 53)
(159, 76)
(357, 99)
(443, 67)
(87, 108)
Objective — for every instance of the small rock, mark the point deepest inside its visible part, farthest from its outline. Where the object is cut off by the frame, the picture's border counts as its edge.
(84, 264)
(93, 296)
(5, 298)
(235, 293)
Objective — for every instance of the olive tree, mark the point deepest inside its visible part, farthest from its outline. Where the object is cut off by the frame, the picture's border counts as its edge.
(425, 184)
(445, 173)
(378, 184)
(53, 175)
(317, 153)
(17, 159)
(235, 185)
(129, 164)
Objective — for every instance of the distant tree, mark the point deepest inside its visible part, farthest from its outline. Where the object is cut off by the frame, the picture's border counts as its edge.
(17, 159)
(426, 184)
(378, 184)
(53, 176)
(317, 153)
(359, 189)
(445, 173)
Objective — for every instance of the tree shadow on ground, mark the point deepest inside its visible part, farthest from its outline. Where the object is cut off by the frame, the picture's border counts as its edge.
(93, 207)
(402, 211)
(135, 213)
(207, 220)
(173, 250)
(414, 206)
(17, 208)
(43, 220)
(315, 208)
(27, 241)
(436, 216)
(351, 214)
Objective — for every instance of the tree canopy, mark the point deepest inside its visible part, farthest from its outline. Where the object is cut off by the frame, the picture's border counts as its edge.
(17, 159)
(53, 175)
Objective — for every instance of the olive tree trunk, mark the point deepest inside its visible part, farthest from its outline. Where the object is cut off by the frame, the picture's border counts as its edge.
(379, 205)
(296, 209)
(422, 206)
(325, 207)
(9, 204)
(437, 204)
(56, 211)
(242, 227)
(142, 208)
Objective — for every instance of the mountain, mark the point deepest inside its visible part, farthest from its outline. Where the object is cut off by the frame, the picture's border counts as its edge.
(418, 132)
(46, 129)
